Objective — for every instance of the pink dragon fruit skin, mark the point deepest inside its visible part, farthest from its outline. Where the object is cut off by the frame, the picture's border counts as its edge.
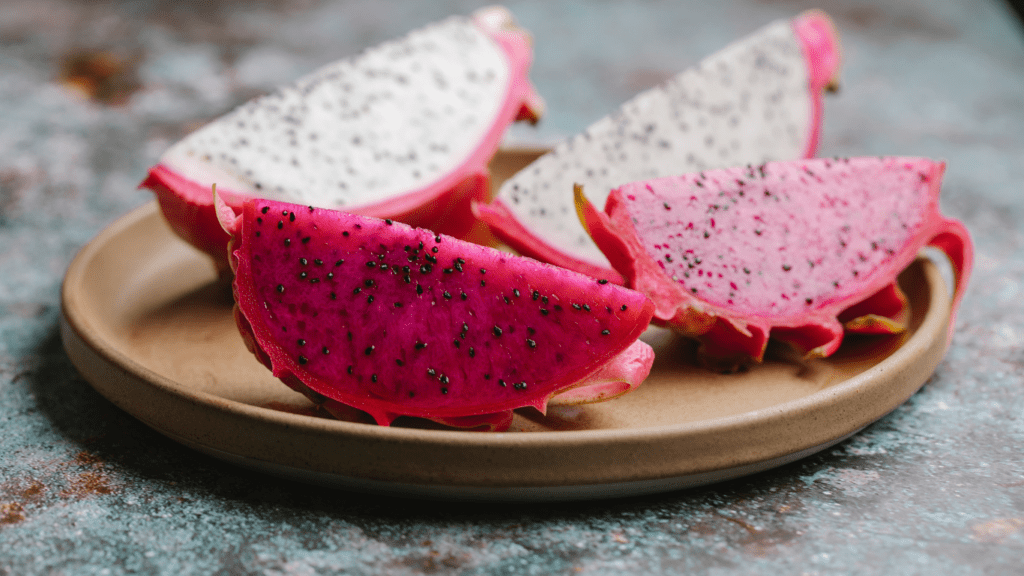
(793, 250)
(413, 146)
(758, 99)
(371, 314)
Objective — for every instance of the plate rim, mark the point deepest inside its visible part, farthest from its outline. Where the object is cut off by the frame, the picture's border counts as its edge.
(923, 346)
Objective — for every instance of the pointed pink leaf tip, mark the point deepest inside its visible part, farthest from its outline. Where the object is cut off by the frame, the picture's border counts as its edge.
(821, 46)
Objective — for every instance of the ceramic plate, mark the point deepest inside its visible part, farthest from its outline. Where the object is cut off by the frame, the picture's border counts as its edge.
(147, 324)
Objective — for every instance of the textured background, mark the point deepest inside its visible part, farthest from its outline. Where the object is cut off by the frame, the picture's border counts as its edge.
(92, 92)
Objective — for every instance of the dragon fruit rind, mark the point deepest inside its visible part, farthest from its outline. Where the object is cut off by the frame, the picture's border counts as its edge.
(404, 130)
(758, 99)
(800, 251)
(400, 321)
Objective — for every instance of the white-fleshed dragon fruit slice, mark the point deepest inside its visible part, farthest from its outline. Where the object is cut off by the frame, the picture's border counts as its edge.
(799, 251)
(403, 130)
(758, 99)
(357, 312)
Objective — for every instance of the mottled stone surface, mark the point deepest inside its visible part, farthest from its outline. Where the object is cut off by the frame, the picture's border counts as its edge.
(93, 92)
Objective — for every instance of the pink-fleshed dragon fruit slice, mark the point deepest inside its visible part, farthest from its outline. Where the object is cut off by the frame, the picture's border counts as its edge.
(793, 250)
(758, 99)
(372, 314)
(404, 130)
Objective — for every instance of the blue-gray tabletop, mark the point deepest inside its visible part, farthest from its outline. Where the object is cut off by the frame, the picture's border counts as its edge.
(91, 94)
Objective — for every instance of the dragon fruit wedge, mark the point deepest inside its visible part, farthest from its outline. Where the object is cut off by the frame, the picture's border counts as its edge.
(357, 312)
(404, 130)
(793, 250)
(758, 99)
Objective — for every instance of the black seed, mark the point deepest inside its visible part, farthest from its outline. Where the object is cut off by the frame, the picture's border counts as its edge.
(306, 240)
(291, 217)
(472, 352)
(602, 281)
(334, 296)
(314, 280)
(265, 209)
(497, 331)
(257, 233)
(302, 360)
(431, 372)
(531, 343)
(302, 342)
(371, 264)
(368, 283)
(576, 306)
(302, 275)
(437, 238)
(746, 270)
(330, 275)
(373, 378)
(536, 294)
(383, 266)
(447, 270)
(463, 296)
(420, 345)
(605, 332)
(507, 301)
(809, 300)
(515, 292)
(586, 307)
(544, 311)
(694, 290)
(787, 267)
(357, 290)
(623, 308)
(501, 383)
(419, 289)
(369, 350)
(444, 390)
(399, 362)
(280, 288)
(483, 283)
(325, 350)
(339, 262)
(345, 233)
(519, 385)
(407, 278)
(544, 299)
(434, 249)
(303, 261)
(287, 241)
(280, 224)
(425, 268)
(398, 304)
(387, 221)
(456, 342)
(483, 271)
(443, 379)
(350, 369)
(369, 299)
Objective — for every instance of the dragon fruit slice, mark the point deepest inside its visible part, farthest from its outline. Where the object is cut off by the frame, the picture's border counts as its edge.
(795, 250)
(758, 99)
(404, 130)
(394, 320)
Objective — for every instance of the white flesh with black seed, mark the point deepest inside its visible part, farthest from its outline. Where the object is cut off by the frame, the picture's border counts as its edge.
(747, 103)
(391, 120)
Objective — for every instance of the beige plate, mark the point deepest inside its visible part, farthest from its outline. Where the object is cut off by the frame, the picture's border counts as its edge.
(148, 326)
